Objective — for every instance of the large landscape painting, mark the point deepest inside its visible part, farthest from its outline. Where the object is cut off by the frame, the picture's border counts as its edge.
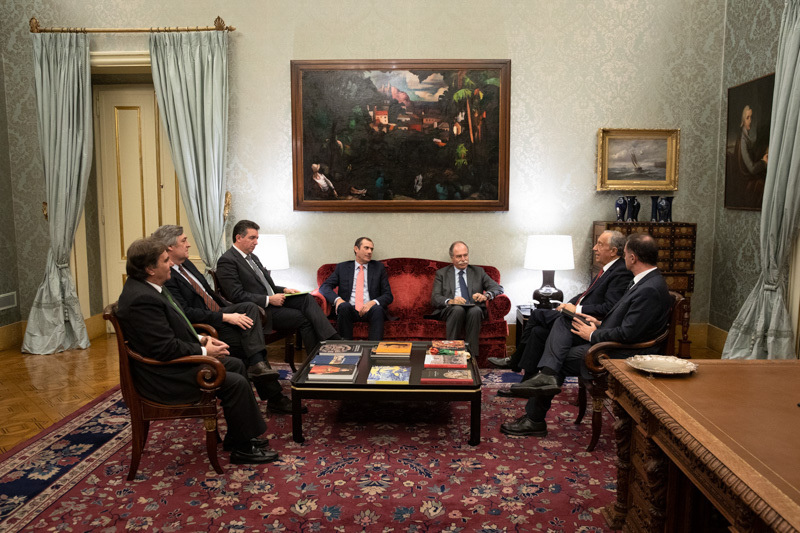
(407, 135)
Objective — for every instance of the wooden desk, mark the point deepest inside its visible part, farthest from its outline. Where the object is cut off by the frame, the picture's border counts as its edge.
(729, 432)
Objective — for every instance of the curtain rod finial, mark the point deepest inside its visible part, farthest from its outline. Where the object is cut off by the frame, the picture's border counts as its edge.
(219, 24)
(34, 25)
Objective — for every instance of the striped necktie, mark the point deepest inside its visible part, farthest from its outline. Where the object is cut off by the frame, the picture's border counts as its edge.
(210, 303)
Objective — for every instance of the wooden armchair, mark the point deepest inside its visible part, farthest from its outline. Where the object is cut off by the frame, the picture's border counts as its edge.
(210, 377)
(603, 350)
(291, 336)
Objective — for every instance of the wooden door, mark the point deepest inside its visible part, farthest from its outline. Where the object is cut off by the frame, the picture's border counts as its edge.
(138, 188)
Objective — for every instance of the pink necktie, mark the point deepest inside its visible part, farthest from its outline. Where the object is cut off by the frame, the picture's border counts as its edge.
(360, 288)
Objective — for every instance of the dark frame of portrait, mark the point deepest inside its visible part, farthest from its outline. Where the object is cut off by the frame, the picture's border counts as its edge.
(747, 144)
(400, 135)
(637, 159)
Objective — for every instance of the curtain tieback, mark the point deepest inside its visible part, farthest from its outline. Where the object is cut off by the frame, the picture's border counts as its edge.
(772, 287)
(62, 266)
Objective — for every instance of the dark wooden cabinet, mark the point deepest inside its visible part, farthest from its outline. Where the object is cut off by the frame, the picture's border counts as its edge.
(676, 249)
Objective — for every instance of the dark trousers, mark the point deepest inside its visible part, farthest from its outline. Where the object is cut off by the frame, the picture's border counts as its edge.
(463, 323)
(302, 312)
(246, 344)
(559, 344)
(533, 339)
(346, 316)
(537, 407)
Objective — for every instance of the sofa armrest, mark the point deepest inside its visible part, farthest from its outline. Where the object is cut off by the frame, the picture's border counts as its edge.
(322, 302)
(498, 307)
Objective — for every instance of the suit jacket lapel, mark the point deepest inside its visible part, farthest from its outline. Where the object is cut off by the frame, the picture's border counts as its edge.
(450, 282)
(593, 285)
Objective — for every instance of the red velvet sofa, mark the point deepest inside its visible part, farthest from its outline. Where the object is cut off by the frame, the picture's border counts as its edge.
(411, 280)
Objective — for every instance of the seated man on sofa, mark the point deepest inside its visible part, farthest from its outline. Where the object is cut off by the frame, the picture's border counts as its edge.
(459, 296)
(364, 292)
(641, 314)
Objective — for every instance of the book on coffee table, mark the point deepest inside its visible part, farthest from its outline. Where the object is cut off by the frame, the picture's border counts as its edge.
(446, 361)
(446, 376)
(339, 359)
(345, 373)
(449, 345)
(331, 348)
(392, 349)
(389, 375)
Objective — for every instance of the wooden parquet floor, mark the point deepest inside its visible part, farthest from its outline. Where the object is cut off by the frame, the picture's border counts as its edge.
(37, 391)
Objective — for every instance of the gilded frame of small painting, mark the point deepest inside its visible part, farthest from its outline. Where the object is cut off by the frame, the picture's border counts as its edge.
(637, 159)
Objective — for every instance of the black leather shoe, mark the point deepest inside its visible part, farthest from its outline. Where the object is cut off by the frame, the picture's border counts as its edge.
(256, 443)
(500, 362)
(283, 406)
(538, 385)
(505, 393)
(524, 427)
(260, 371)
(253, 456)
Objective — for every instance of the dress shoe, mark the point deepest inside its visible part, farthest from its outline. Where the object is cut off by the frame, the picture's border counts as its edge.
(260, 371)
(538, 385)
(253, 456)
(524, 427)
(283, 406)
(500, 362)
(505, 393)
(256, 443)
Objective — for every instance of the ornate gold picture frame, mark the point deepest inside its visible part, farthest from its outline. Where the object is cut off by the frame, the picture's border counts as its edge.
(637, 160)
(401, 135)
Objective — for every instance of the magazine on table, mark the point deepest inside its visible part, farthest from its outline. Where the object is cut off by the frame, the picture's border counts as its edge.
(389, 374)
(346, 373)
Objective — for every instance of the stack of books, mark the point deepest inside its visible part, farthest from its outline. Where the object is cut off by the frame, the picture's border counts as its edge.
(447, 354)
(390, 349)
(335, 362)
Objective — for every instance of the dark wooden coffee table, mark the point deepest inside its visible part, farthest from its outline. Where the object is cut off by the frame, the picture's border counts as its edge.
(363, 391)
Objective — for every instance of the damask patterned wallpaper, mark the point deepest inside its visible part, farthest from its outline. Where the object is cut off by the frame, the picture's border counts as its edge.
(8, 251)
(751, 47)
(576, 67)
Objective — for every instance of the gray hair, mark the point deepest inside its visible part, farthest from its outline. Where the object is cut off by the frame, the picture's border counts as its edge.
(617, 240)
(168, 234)
(454, 245)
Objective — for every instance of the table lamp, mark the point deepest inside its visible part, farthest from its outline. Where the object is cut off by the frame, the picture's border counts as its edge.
(549, 253)
(272, 251)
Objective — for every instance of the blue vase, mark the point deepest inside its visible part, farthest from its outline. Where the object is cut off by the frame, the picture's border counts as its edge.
(633, 209)
(665, 209)
(654, 209)
(619, 207)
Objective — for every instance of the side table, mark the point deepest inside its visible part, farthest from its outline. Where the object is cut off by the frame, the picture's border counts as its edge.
(523, 314)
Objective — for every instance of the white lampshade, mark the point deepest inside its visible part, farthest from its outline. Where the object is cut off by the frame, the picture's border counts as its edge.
(549, 252)
(272, 251)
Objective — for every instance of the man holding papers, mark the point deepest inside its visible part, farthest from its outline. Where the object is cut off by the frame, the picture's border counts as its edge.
(244, 279)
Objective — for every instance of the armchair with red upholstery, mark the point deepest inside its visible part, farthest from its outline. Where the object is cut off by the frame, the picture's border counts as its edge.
(411, 280)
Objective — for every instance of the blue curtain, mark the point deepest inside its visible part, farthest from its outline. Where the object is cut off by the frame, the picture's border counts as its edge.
(190, 74)
(763, 328)
(64, 110)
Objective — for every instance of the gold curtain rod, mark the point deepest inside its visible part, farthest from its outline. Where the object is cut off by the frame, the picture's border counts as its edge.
(219, 25)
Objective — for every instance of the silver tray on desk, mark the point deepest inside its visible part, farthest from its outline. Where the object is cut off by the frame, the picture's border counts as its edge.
(661, 364)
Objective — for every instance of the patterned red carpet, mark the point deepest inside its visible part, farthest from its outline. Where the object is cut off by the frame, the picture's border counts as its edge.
(383, 467)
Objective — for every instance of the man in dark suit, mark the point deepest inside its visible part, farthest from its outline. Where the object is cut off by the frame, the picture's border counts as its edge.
(459, 296)
(365, 305)
(603, 292)
(238, 325)
(156, 327)
(243, 278)
(641, 314)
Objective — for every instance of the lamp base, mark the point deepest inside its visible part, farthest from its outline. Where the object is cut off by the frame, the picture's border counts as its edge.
(547, 293)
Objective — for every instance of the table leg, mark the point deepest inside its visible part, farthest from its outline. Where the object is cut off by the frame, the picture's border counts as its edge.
(475, 421)
(297, 417)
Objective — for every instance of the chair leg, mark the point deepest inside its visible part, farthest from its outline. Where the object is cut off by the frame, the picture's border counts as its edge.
(211, 443)
(139, 430)
(289, 357)
(581, 402)
(597, 422)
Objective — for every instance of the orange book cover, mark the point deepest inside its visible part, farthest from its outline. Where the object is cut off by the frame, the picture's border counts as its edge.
(393, 348)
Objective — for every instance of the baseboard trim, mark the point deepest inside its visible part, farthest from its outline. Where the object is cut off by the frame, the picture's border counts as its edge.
(716, 338)
(11, 336)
